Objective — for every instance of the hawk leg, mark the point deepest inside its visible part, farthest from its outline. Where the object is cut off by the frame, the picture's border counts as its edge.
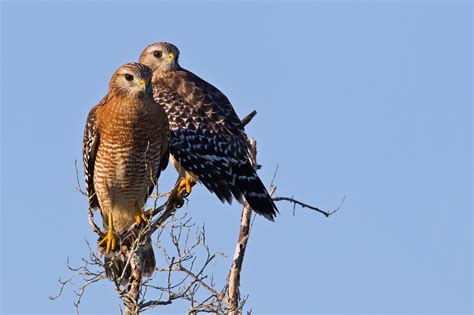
(109, 240)
(181, 190)
(141, 216)
(186, 183)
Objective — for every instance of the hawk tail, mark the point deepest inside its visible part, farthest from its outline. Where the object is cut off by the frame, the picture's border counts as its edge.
(255, 192)
(116, 262)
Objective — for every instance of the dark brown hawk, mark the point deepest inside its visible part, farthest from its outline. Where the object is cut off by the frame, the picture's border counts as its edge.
(207, 141)
(124, 150)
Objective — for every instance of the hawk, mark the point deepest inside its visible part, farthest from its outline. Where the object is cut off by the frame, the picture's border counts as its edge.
(125, 148)
(207, 140)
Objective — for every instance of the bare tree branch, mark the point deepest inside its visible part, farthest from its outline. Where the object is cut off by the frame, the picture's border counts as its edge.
(184, 252)
(247, 119)
(304, 205)
(233, 282)
(78, 187)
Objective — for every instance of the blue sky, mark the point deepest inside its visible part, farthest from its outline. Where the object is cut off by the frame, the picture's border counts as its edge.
(371, 100)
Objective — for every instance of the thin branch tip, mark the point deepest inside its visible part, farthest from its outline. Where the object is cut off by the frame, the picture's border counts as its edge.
(183, 273)
(247, 119)
(295, 202)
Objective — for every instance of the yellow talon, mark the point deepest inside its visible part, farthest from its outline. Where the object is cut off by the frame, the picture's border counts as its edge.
(143, 217)
(138, 218)
(186, 183)
(109, 240)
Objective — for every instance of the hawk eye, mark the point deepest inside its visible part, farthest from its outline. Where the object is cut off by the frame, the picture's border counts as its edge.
(157, 53)
(129, 77)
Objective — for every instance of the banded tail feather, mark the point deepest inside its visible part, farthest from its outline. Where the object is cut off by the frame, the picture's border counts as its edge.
(254, 192)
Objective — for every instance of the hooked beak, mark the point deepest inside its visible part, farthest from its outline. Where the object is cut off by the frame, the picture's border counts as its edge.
(142, 88)
(142, 84)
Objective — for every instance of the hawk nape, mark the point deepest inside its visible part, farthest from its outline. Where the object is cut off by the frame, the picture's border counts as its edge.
(207, 140)
(124, 150)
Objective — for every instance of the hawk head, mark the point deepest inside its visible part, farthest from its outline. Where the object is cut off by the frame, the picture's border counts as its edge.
(132, 79)
(161, 56)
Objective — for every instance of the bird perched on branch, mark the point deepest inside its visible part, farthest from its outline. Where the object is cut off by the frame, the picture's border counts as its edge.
(207, 141)
(124, 150)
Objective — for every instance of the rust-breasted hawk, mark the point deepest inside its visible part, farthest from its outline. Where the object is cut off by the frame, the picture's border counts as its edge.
(207, 140)
(124, 150)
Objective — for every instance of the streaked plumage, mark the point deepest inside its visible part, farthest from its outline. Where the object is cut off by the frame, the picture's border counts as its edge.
(208, 139)
(124, 150)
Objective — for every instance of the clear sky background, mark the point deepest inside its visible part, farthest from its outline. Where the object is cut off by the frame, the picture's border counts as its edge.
(368, 99)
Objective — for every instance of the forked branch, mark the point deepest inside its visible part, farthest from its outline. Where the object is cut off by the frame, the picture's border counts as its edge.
(185, 258)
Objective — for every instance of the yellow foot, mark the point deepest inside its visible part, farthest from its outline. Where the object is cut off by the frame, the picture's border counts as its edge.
(186, 183)
(143, 216)
(109, 241)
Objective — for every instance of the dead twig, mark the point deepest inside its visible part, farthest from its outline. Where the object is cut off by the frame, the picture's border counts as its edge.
(247, 119)
(185, 257)
(304, 205)
(78, 187)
